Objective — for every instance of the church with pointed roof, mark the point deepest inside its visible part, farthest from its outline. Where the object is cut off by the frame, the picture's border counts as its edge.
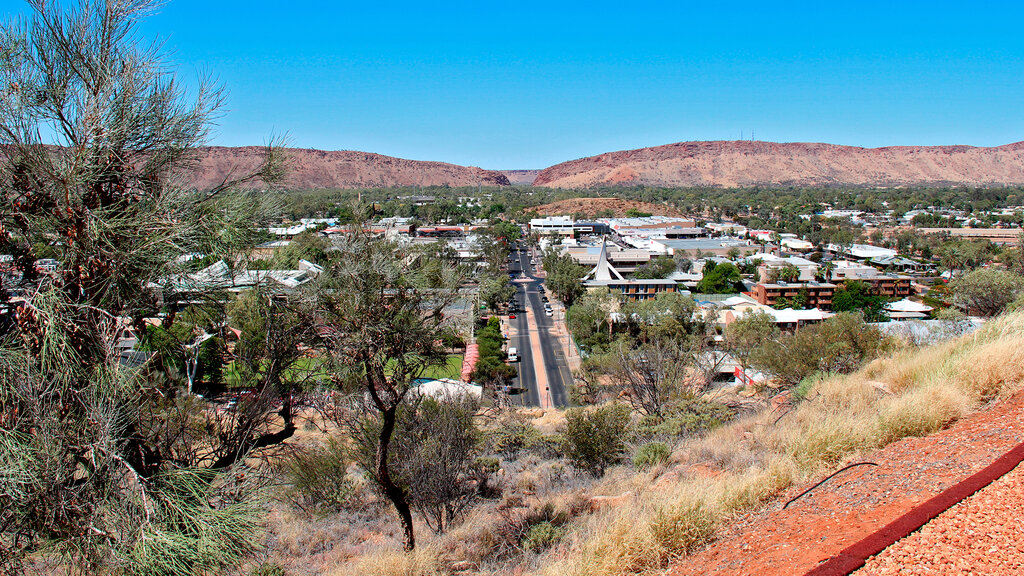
(604, 275)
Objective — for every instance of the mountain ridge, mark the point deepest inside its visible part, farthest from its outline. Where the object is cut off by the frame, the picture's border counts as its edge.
(717, 163)
(724, 163)
(308, 168)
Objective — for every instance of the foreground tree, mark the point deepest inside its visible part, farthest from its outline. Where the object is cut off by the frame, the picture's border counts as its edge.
(749, 333)
(986, 292)
(433, 452)
(838, 345)
(90, 475)
(381, 318)
(651, 373)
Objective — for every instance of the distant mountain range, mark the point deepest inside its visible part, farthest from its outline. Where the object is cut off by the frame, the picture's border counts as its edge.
(718, 164)
(313, 169)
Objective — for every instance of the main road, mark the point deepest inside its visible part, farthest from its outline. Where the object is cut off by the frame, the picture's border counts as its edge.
(543, 370)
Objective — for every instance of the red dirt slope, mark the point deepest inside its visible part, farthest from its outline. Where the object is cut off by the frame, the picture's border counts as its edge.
(592, 206)
(982, 534)
(858, 502)
(313, 169)
(747, 163)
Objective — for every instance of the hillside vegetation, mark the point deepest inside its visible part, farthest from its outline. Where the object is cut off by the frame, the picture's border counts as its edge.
(659, 515)
(911, 393)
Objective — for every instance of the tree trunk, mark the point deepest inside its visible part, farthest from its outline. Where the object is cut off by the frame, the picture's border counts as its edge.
(394, 492)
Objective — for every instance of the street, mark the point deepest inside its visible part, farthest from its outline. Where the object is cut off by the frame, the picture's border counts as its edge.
(543, 370)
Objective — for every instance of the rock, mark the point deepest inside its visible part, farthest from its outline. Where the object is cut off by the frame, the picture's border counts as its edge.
(599, 502)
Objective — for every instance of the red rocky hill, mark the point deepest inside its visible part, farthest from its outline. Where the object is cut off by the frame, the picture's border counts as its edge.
(311, 169)
(748, 163)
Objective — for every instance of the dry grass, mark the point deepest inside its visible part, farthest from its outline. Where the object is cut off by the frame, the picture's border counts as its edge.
(912, 393)
(423, 562)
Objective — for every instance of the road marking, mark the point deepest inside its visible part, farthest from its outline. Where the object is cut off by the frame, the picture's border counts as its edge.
(544, 395)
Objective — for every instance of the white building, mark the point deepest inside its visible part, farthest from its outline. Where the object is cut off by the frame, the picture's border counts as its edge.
(560, 225)
(907, 309)
(847, 270)
(793, 243)
(862, 251)
(769, 261)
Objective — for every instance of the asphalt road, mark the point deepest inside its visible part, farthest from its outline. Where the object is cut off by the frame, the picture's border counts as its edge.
(548, 356)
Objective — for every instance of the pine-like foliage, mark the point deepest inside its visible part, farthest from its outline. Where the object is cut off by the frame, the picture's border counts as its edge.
(94, 134)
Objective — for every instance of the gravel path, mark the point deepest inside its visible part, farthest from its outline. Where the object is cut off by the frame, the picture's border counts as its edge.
(860, 501)
(982, 535)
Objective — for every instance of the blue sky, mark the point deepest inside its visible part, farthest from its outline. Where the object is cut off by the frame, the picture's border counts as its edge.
(529, 84)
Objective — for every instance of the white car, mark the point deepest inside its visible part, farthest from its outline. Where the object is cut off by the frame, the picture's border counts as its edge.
(548, 311)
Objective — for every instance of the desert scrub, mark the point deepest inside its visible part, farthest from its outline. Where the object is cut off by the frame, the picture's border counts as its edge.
(542, 536)
(683, 419)
(911, 393)
(807, 384)
(650, 455)
(595, 438)
(512, 436)
(318, 478)
(268, 569)
(423, 561)
(681, 528)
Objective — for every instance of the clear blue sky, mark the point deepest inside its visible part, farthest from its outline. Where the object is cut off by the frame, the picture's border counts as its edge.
(529, 84)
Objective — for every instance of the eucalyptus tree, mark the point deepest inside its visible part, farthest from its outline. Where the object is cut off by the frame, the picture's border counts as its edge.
(381, 315)
(95, 135)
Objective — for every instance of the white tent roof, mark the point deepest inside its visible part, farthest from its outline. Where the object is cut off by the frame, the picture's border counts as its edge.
(447, 388)
(604, 270)
(907, 305)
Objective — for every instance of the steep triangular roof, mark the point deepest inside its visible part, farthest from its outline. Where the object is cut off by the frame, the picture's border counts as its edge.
(604, 269)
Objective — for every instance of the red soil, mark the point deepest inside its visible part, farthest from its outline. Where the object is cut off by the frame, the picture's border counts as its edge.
(593, 206)
(982, 534)
(858, 502)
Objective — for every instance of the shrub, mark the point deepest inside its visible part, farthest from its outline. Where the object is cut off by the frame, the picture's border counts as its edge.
(839, 345)
(986, 292)
(319, 479)
(512, 437)
(268, 569)
(483, 468)
(595, 439)
(542, 536)
(688, 417)
(650, 455)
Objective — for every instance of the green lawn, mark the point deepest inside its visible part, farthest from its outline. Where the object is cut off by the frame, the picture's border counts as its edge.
(451, 369)
(314, 369)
